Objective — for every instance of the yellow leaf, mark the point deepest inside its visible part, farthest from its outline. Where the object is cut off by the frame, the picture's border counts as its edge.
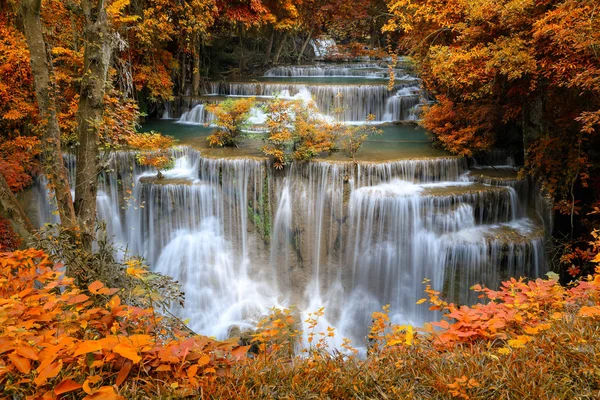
(421, 301)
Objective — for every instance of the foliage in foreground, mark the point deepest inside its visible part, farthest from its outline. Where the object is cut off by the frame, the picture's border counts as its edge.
(56, 338)
(531, 339)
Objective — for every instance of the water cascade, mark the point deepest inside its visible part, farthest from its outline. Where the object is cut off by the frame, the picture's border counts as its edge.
(356, 101)
(197, 115)
(242, 237)
(374, 71)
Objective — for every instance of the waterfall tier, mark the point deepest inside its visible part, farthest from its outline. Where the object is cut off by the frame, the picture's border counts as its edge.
(373, 71)
(348, 103)
(242, 237)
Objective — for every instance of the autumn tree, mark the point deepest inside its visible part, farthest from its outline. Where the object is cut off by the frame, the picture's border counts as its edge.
(231, 117)
(512, 74)
(45, 89)
(154, 150)
(352, 138)
(296, 132)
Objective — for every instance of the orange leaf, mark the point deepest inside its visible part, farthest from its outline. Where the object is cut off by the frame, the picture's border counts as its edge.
(21, 363)
(140, 340)
(104, 393)
(192, 371)
(203, 360)
(28, 352)
(240, 352)
(49, 372)
(127, 351)
(65, 386)
(123, 373)
(114, 302)
(88, 346)
(95, 286)
(80, 298)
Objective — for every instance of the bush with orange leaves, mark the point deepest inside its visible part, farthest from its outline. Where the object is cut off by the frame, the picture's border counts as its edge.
(59, 341)
(230, 118)
(154, 150)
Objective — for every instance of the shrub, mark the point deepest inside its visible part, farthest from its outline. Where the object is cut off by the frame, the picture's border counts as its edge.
(230, 118)
(296, 133)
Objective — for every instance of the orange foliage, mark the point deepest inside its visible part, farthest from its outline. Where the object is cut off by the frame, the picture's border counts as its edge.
(154, 147)
(462, 129)
(230, 118)
(499, 68)
(17, 107)
(17, 161)
(56, 339)
(9, 240)
(296, 133)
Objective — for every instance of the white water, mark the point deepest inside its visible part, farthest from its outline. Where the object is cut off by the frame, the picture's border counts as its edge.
(197, 115)
(242, 239)
(349, 103)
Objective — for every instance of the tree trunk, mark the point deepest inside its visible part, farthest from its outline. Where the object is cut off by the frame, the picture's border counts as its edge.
(11, 209)
(97, 55)
(533, 125)
(241, 60)
(54, 166)
(304, 45)
(196, 70)
(279, 49)
(183, 74)
(269, 47)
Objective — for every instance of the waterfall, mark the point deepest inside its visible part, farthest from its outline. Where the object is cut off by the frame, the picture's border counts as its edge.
(401, 106)
(356, 102)
(197, 115)
(322, 46)
(372, 71)
(242, 238)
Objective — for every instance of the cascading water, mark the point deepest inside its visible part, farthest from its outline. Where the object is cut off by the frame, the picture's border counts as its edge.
(403, 105)
(373, 71)
(197, 115)
(355, 102)
(350, 237)
(351, 102)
